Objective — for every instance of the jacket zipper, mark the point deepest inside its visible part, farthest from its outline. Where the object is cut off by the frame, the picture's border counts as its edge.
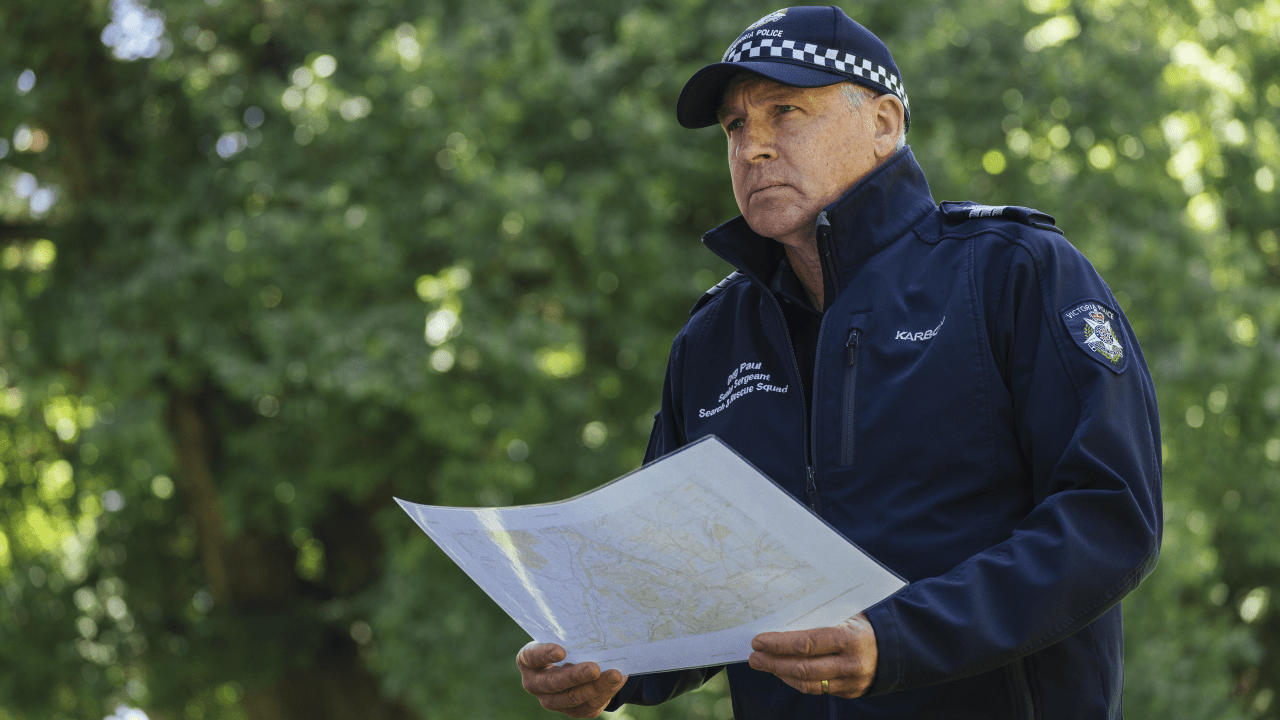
(850, 392)
(811, 419)
(811, 486)
(1022, 686)
(828, 297)
(807, 413)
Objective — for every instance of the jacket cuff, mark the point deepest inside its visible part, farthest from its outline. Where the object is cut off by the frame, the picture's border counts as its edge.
(888, 648)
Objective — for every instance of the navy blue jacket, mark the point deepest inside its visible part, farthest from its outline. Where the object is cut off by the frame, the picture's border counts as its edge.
(983, 423)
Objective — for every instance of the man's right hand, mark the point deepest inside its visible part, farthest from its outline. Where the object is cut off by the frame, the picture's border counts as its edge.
(579, 691)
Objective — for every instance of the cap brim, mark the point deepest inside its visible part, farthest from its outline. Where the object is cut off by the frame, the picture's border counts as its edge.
(700, 99)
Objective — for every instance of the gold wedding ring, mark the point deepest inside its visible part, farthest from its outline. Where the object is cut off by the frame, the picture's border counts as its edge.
(825, 689)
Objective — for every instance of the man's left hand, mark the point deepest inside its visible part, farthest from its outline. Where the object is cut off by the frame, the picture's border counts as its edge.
(845, 656)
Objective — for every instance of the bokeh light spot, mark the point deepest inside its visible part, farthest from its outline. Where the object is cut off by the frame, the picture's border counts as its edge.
(136, 31)
(324, 66)
(993, 162)
(26, 81)
(594, 434)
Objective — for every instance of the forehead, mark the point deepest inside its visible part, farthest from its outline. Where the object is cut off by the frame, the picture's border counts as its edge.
(760, 88)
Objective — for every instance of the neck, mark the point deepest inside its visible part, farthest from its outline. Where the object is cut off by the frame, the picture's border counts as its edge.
(803, 257)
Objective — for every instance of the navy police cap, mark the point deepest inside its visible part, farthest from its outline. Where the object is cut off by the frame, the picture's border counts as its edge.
(800, 46)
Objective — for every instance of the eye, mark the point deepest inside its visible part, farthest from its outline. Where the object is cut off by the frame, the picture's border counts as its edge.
(733, 124)
(782, 109)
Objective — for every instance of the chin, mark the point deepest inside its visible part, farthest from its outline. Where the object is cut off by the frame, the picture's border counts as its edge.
(778, 224)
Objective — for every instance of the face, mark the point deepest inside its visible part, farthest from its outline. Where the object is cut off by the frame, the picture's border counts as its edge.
(793, 151)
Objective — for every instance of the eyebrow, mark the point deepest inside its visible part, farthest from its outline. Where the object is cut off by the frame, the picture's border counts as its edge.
(784, 91)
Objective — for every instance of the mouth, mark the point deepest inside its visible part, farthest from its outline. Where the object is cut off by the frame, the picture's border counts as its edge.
(767, 187)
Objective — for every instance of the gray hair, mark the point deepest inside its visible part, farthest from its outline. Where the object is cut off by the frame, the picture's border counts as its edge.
(858, 95)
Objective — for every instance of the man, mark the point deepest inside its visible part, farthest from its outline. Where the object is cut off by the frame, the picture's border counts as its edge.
(963, 399)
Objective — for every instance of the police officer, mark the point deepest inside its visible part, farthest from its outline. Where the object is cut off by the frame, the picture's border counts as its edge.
(974, 410)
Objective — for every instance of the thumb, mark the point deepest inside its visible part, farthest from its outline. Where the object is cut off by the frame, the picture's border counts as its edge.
(536, 655)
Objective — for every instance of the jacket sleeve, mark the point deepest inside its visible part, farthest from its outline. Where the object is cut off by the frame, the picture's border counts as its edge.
(667, 436)
(1082, 404)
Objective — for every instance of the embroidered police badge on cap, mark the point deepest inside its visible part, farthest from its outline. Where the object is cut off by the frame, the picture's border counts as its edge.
(1089, 323)
(800, 46)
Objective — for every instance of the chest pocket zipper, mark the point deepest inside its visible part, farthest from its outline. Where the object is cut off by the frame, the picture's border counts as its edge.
(849, 406)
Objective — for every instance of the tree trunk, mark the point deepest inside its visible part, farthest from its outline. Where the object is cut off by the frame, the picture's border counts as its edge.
(255, 571)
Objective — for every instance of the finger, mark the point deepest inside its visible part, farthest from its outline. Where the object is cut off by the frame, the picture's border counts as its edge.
(560, 679)
(847, 676)
(805, 669)
(846, 673)
(808, 687)
(535, 656)
(817, 641)
(596, 692)
(847, 688)
(609, 683)
(586, 710)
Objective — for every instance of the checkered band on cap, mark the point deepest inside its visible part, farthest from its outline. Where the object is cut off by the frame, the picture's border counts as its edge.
(822, 57)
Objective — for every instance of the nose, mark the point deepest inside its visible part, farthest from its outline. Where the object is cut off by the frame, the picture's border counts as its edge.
(756, 142)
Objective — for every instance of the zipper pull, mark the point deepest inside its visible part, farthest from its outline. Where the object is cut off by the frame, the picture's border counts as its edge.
(824, 234)
(855, 335)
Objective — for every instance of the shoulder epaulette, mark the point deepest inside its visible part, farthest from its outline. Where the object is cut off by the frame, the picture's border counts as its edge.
(958, 212)
(718, 288)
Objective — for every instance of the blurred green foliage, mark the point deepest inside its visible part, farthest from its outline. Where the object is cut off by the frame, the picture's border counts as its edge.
(294, 258)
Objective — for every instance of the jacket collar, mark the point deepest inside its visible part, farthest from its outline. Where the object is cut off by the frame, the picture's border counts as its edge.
(881, 208)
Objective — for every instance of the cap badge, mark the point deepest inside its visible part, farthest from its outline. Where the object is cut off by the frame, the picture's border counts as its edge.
(776, 15)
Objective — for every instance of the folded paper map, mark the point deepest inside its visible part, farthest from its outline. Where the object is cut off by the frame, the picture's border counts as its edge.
(676, 565)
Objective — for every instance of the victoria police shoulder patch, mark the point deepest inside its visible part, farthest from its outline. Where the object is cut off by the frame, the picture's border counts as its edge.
(1097, 330)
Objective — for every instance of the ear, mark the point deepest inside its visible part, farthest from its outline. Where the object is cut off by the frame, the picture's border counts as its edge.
(888, 117)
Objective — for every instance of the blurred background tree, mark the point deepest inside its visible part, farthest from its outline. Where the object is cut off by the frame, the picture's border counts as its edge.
(265, 264)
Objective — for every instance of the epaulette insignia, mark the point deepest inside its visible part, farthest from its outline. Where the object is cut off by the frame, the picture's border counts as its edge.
(957, 212)
(716, 289)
